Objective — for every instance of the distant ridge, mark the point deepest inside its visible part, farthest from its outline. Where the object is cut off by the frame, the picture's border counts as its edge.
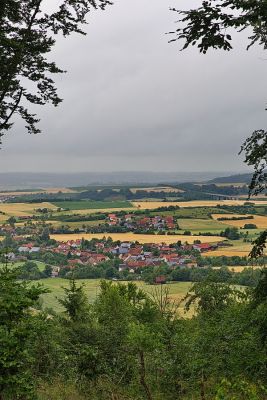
(239, 178)
(28, 180)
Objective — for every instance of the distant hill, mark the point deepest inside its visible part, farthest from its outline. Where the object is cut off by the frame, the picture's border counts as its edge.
(27, 180)
(240, 178)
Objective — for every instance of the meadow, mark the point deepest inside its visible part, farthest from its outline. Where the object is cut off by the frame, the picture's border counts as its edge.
(40, 265)
(203, 225)
(92, 205)
(177, 290)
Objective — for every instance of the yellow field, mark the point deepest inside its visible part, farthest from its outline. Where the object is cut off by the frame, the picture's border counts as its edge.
(150, 205)
(21, 209)
(226, 252)
(240, 268)
(258, 220)
(164, 189)
(240, 249)
(131, 237)
(48, 190)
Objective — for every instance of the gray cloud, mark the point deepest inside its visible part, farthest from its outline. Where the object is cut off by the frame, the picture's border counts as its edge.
(134, 102)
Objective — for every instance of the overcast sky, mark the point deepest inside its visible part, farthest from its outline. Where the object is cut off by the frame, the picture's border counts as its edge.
(134, 102)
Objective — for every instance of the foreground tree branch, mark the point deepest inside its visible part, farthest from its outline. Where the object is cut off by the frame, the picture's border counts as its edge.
(211, 26)
(27, 35)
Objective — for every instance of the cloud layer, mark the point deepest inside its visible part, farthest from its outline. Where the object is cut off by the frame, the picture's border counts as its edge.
(134, 102)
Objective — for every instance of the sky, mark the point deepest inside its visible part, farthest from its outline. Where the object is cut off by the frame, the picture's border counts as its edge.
(134, 102)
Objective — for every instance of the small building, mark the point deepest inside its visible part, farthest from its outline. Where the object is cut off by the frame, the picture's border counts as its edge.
(161, 279)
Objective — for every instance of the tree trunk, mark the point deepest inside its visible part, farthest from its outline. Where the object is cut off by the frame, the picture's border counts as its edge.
(143, 376)
(202, 387)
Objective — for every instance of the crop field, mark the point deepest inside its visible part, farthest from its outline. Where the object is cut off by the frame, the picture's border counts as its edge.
(150, 205)
(22, 209)
(177, 290)
(240, 268)
(92, 205)
(130, 237)
(239, 248)
(259, 220)
(37, 191)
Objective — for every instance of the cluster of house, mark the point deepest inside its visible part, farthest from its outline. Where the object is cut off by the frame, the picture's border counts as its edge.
(132, 256)
(132, 222)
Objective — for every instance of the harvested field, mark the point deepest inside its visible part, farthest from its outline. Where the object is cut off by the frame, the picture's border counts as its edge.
(150, 205)
(131, 237)
(240, 268)
(239, 248)
(37, 191)
(259, 220)
(22, 209)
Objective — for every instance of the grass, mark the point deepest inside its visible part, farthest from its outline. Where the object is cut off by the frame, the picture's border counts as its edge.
(177, 290)
(92, 205)
(200, 225)
(132, 237)
(40, 264)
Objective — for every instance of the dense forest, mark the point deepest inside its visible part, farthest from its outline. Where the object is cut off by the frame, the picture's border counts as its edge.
(128, 345)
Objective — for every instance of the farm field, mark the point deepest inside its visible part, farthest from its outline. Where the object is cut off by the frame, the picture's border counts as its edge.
(240, 268)
(177, 290)
(239, 248)
(37, 191)
(168, 239)
(150, 205)
(259, 220)
(22, 209)
(92, 205)
(201, 224)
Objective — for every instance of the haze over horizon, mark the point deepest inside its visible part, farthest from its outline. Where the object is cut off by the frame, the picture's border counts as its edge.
(133, 102)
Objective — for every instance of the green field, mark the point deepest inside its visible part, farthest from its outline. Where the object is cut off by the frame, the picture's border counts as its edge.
(177, 290)
(40, 264)
(201, 225)
(92, 205)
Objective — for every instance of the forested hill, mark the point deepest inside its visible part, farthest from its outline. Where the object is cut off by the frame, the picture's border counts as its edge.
(239, 178)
